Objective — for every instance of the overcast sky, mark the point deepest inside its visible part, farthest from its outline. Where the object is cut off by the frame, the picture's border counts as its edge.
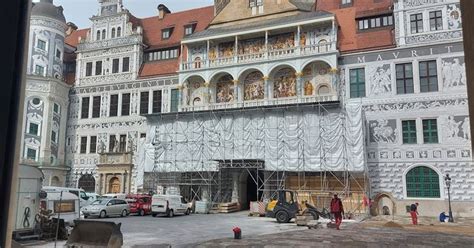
(79, 11)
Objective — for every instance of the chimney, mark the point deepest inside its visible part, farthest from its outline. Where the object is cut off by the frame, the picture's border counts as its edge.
(162, 11)
(71, 27)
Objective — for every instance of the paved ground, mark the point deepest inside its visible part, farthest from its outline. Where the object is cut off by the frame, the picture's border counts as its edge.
(355, 235)
(181, 230)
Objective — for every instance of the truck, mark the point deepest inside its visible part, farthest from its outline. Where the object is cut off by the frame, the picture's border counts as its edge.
(169, 205)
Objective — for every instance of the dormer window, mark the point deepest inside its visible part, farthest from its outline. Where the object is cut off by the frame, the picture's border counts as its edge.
(255, 3)
(166, 33)
(346, 3)
(189, 29)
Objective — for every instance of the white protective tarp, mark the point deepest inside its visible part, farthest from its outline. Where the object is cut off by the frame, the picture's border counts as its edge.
(290, 139)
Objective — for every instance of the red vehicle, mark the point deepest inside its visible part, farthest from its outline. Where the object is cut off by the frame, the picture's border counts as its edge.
(139, 204)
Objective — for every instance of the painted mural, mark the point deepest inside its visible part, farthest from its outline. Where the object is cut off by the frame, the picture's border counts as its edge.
(281, 41)
(226, 49)
(225, 89)
(252, 46)
(284, 84)
(196, 93)
(457, 129)
(315, 76)
(254, 86)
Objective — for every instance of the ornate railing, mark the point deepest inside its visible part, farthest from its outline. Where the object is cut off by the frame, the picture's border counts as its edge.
(263, 103)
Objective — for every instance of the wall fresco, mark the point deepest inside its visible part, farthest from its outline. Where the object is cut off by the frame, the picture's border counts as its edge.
(226, 49)
(196, 93)
(254, 86)
(225, 89)
(453, 72)
(284, 84)
(252, 46)
(281, 41)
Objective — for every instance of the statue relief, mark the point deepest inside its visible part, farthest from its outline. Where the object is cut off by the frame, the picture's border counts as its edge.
(457, 129)
(284, 84)
(454, 72)
(380, 78)
(383, 131)
(225, 89)
(254, 86)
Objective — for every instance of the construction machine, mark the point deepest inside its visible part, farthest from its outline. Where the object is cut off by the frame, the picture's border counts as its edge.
(285, 207)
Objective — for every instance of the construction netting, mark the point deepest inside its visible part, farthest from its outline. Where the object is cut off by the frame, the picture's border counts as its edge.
(298, 138)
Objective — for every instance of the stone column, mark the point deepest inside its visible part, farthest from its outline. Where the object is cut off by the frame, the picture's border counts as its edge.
(268, 88)
(104, 184)
(299, 80)
(237, 94)
(235, 187)
(122, 183)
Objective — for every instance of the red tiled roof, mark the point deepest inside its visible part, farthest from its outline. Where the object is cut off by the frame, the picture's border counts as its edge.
(152, 26)
(73, 38)
(159, 68)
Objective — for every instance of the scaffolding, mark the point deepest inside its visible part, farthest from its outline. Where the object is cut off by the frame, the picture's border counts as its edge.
(201, 174)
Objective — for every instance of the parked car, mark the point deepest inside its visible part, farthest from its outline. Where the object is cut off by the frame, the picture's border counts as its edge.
(93, 197)
(116, 196)
(139, 204)
(169, 205)
(107, 207)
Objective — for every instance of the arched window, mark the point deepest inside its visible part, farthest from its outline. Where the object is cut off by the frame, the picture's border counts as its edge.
(323, 45)
(119, 31)
(98, 34)
(422, 182)
(87, 183)
(55, 181)
(103, 34)
(197, 63)
(113, 33)
(323, 90)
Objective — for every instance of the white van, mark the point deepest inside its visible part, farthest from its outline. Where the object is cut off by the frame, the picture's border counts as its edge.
(84, 199)
(116, 196)
(169, 205)
(65, 207)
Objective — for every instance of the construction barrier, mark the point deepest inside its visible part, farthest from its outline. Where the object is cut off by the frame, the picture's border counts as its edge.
(202, 207)
(257, 208)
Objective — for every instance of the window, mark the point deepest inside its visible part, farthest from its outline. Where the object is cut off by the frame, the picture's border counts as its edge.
(157, 101)
(85, 108)
(430, 131)
(88, 69)
(112, 143)
(41, 44)
(56, 108)
(404, 78)
(123, 143)
(166, 33)
(428, 76)
(143, 135)
(344, 2)
(119, 31)
(174, 100)
(113, 33)
(126, 64)
(255, 3)
(357, 83)
(162, 55)
(126, 104)
(375, 22)
(98, 35)
(58, 54)
(98, 68)
(189, 29)
(409, 132)
(113, 105)
(93, 145)
(54, 137)
(103, 34)
(115, 65)
(144, 99)
(83, 145)
(96, 107)
(422, 182)
(33, 129)
(31, 154)
(39, 70)
(416, 23)
(436, 20)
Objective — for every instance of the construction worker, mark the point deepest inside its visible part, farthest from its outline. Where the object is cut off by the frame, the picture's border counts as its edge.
(337, 210)
(414, 213)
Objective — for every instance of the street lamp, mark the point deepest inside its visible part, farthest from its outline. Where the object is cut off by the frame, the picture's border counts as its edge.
(447, 180)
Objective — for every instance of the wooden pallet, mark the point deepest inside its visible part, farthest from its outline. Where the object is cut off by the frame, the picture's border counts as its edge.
(228, 207)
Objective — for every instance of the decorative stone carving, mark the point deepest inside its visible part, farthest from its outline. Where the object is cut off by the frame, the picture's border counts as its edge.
(380, 79)
(454, 16)
(421, 105)
(432, 37)
(454, 72)
(383, 131)
(457, 129)
(103, 44)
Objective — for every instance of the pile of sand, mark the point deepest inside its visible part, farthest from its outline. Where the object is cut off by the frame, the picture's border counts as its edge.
(392, 224)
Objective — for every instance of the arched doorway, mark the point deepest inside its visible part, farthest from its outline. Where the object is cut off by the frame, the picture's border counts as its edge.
(87, 183)
(55, 181)
(114, 185)
(249, 188)
(383, 205)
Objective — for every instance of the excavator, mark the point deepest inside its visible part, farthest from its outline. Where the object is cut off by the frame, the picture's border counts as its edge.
(285, 207)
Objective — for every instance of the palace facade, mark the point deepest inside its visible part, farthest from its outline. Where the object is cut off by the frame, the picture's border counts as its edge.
(230, 102)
